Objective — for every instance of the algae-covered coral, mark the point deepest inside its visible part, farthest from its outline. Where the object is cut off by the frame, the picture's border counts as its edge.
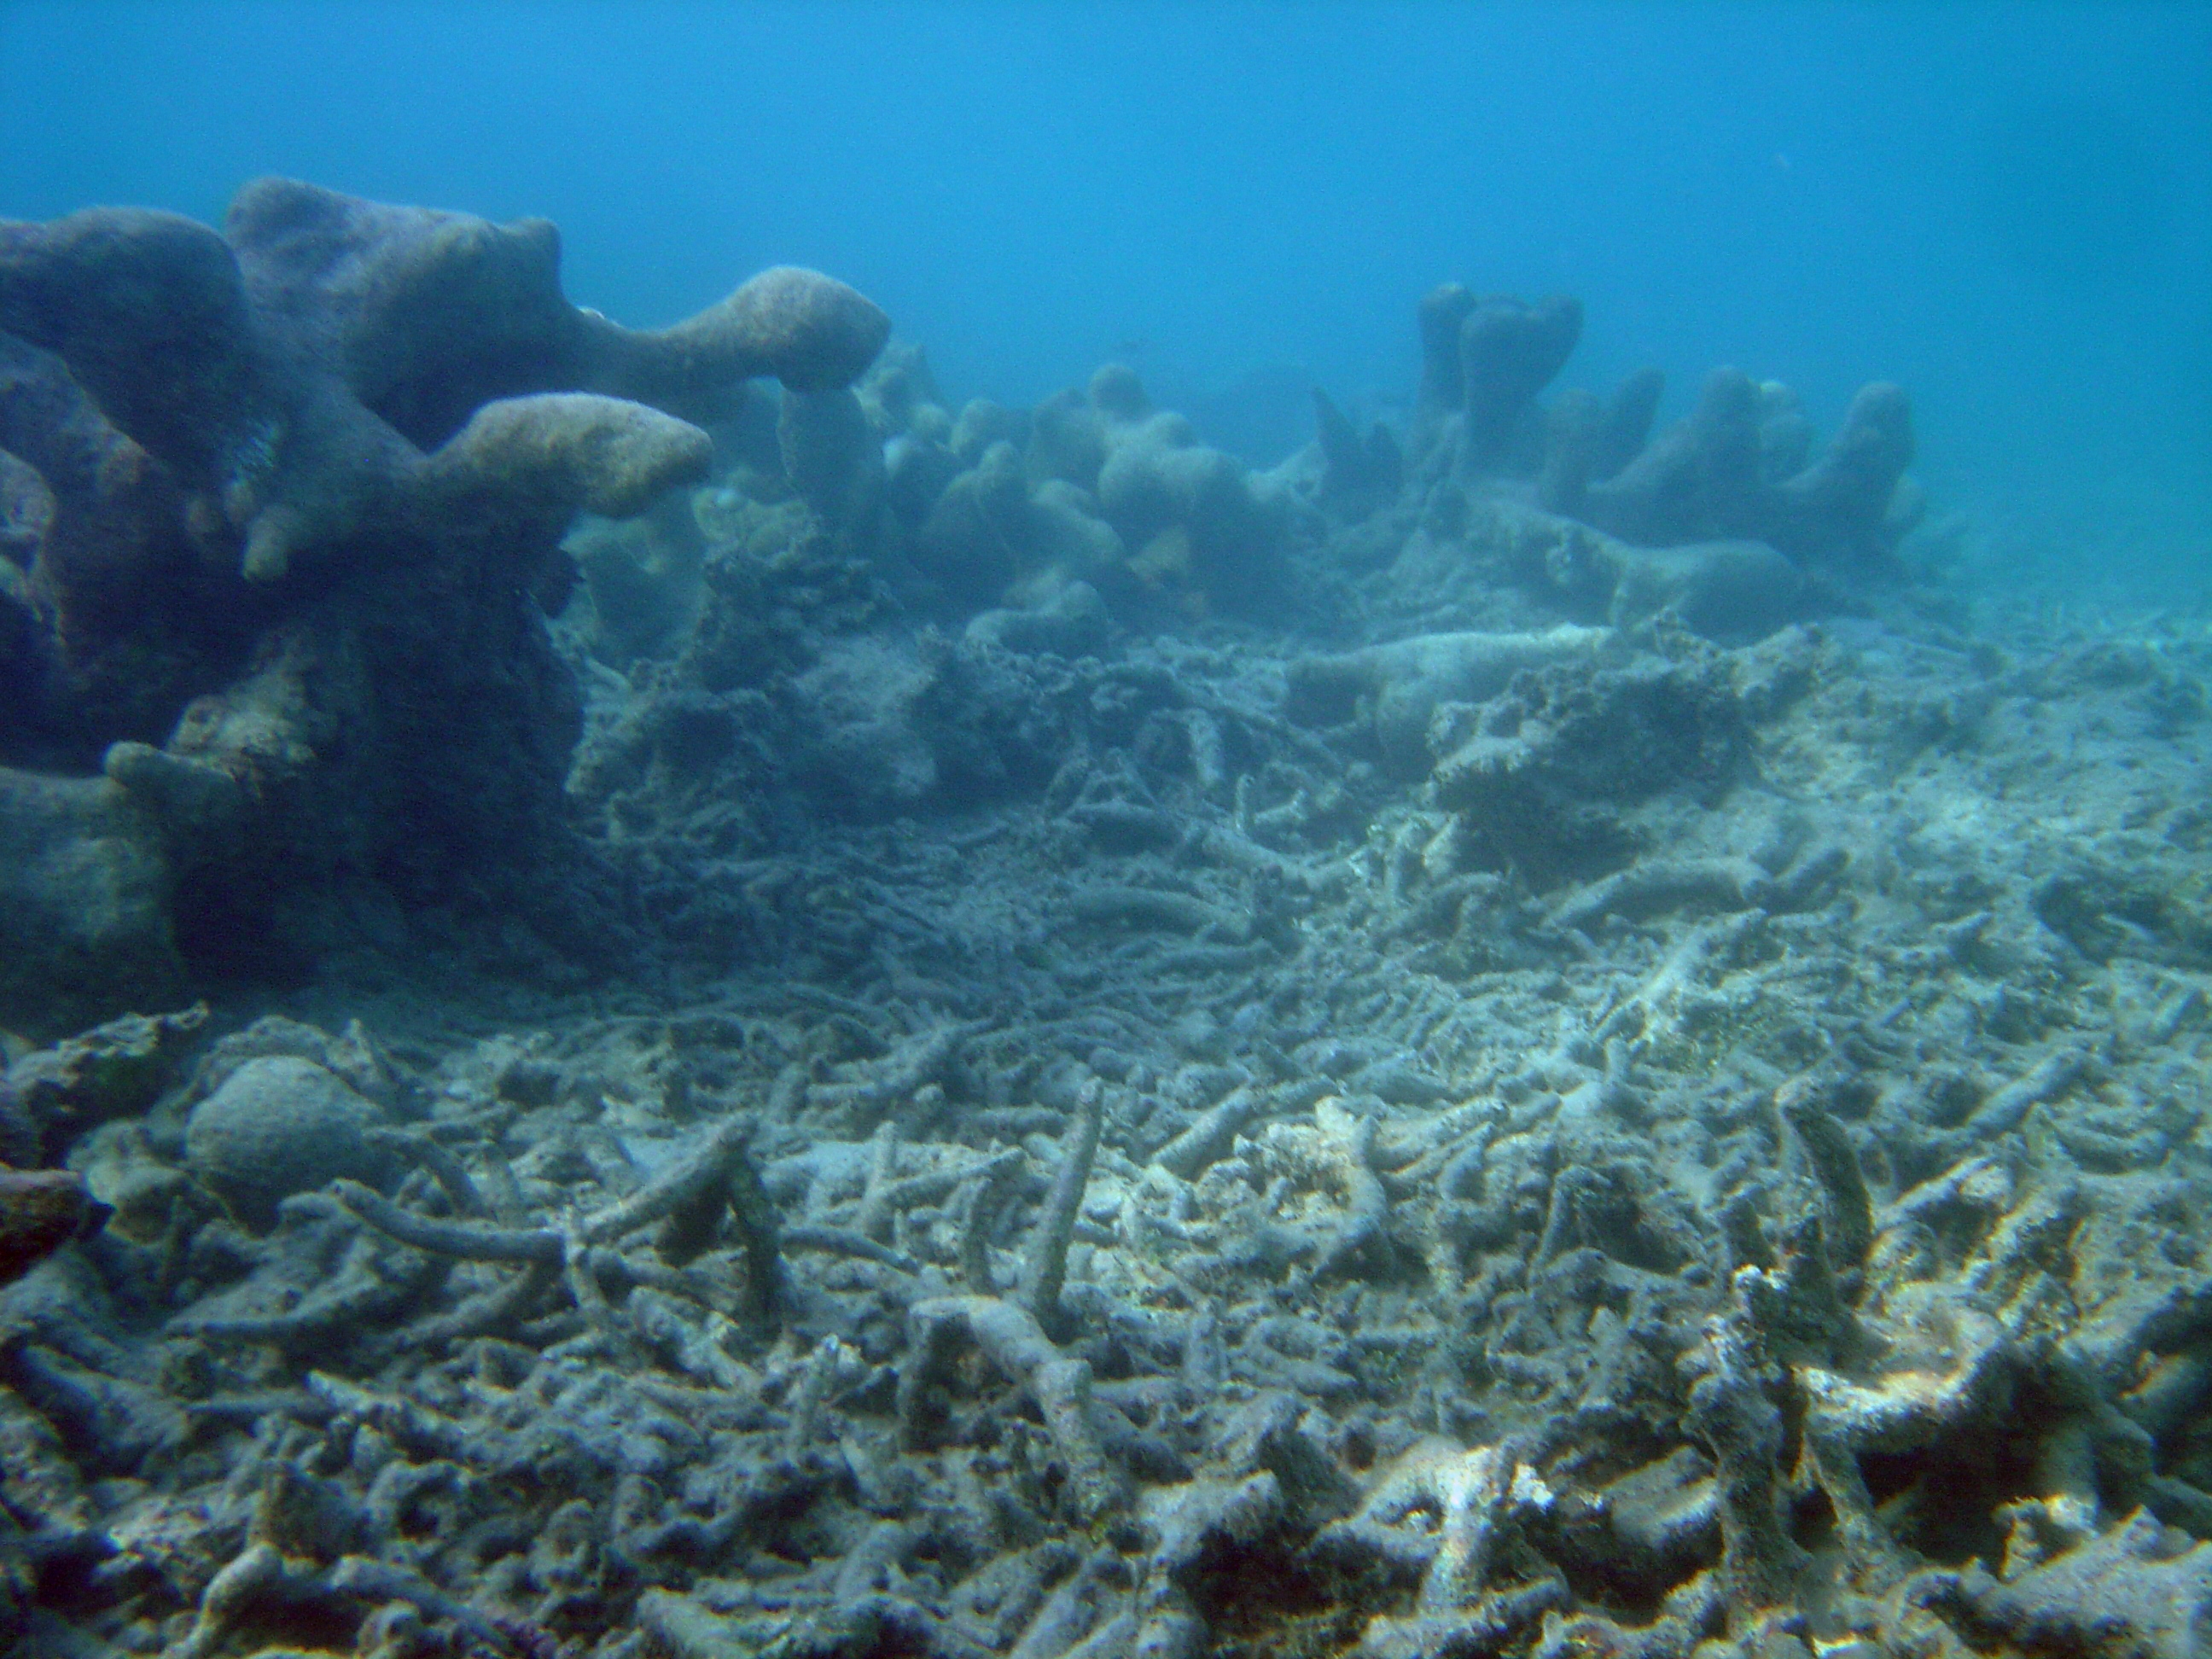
(292, 494)
(1349, 1060)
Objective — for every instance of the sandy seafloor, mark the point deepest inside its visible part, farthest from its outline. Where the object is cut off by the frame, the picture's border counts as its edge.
(1725, 1165)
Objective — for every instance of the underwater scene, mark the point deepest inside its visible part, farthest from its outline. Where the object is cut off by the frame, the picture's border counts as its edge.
(1105, 830)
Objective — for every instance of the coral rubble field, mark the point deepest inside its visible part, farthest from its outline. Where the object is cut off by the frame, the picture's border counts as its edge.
(663, 1019)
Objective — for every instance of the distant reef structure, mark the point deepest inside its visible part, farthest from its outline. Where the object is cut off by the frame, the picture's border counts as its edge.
(323, 537)
(1739, 466)
(873, 610)
(281, 508)
(983, 507)
(992, 507)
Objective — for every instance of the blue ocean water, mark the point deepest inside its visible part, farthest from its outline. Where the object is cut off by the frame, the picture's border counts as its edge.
(2006, 208)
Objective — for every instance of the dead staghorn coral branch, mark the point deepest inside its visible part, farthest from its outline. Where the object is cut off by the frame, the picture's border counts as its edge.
(1210, 1135)
(470, 1240)
(1045, 1267)
(689, 1201)
(1352, 1141)
(1061, 1387)
(709, 1167)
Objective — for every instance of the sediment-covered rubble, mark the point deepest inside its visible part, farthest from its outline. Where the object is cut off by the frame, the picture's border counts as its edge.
(1454, 1115)
(1252, 1214)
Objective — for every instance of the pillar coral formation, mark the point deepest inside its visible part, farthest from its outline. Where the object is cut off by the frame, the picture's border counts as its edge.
(280, 508)
(1739, 466)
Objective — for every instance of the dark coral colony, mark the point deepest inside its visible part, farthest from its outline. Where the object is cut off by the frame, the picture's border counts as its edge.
(656, 1015)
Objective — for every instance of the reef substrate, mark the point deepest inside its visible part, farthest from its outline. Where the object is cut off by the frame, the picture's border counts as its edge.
(1340, 1062)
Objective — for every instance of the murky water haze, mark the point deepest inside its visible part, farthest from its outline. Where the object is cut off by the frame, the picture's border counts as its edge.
(2006, 209)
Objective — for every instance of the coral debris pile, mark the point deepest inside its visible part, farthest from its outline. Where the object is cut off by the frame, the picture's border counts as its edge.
(1335, 1062)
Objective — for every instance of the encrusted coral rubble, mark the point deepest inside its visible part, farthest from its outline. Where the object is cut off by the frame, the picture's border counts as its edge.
(1557, 1126)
